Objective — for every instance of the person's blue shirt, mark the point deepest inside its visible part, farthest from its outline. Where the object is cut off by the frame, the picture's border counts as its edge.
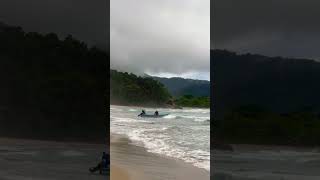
(105, 160)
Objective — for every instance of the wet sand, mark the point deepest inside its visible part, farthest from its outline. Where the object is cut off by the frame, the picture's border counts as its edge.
(46, 160)
(257, 162)
(118, 173)
(142, 165)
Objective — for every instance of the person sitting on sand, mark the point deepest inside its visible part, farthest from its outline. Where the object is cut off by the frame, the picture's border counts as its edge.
(104, 164)
(142, 113)
(156, 113)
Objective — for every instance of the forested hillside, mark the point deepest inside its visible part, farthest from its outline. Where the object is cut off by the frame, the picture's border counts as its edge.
(51, 88)
(266, 100)
(191, 101)
(129, 89)
(180, 86)
(279, 84)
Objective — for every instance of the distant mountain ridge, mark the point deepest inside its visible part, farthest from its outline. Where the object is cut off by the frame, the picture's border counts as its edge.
(265, 100)
(130, 89)
(179, 86)
(276, 83)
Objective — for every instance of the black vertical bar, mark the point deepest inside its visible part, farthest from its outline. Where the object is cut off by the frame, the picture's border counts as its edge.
(212, 82)
(107, 90)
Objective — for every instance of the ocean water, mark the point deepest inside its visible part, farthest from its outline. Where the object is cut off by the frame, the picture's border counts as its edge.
(183, 134)
(267, 163)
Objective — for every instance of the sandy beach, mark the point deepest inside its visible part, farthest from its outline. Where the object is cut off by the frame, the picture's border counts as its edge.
(259, 162)
(119, 173)
(22, 159)
(135, 163)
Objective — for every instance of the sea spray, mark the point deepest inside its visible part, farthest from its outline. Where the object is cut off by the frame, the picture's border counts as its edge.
(183, 134)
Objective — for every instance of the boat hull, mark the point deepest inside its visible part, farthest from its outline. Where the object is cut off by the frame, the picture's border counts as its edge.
(153, 116)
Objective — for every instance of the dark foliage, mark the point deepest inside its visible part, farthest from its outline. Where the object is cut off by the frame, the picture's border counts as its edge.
(191, 101)
(51, 88)
(266, 100)
(279, 84)
(180, 86)
(129, 89)
(249, 124)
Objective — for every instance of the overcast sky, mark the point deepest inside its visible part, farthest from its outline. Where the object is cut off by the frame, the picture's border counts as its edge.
(271, 27)
(165, 38)
(84, 19)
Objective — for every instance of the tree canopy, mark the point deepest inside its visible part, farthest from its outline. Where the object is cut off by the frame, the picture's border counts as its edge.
(129, 89)
(266, 100)
(51, 88)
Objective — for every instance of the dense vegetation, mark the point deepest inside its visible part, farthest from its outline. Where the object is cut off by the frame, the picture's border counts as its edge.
(180, 86)
(252, 124)
(51, 88)
(191, 101)
(266, 100)
(279, 84)
(129, 89)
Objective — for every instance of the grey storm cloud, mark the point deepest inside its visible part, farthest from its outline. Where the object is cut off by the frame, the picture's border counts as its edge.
(272, 27)
(160, 36)
(86, 20)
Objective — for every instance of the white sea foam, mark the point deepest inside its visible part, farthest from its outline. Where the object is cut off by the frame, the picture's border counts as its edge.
(178, 135)
(170, 116)
(159, 144)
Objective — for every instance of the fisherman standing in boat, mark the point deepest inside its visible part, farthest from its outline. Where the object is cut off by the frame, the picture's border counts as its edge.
(143, 112)
(156, 113)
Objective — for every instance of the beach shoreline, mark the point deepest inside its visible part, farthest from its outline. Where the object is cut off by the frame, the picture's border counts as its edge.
(38, 159)
(139, 164)
(230, 146)
(77, 141)
(266, 162)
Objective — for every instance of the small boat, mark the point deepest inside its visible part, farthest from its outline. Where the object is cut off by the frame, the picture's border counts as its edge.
(153, 116)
